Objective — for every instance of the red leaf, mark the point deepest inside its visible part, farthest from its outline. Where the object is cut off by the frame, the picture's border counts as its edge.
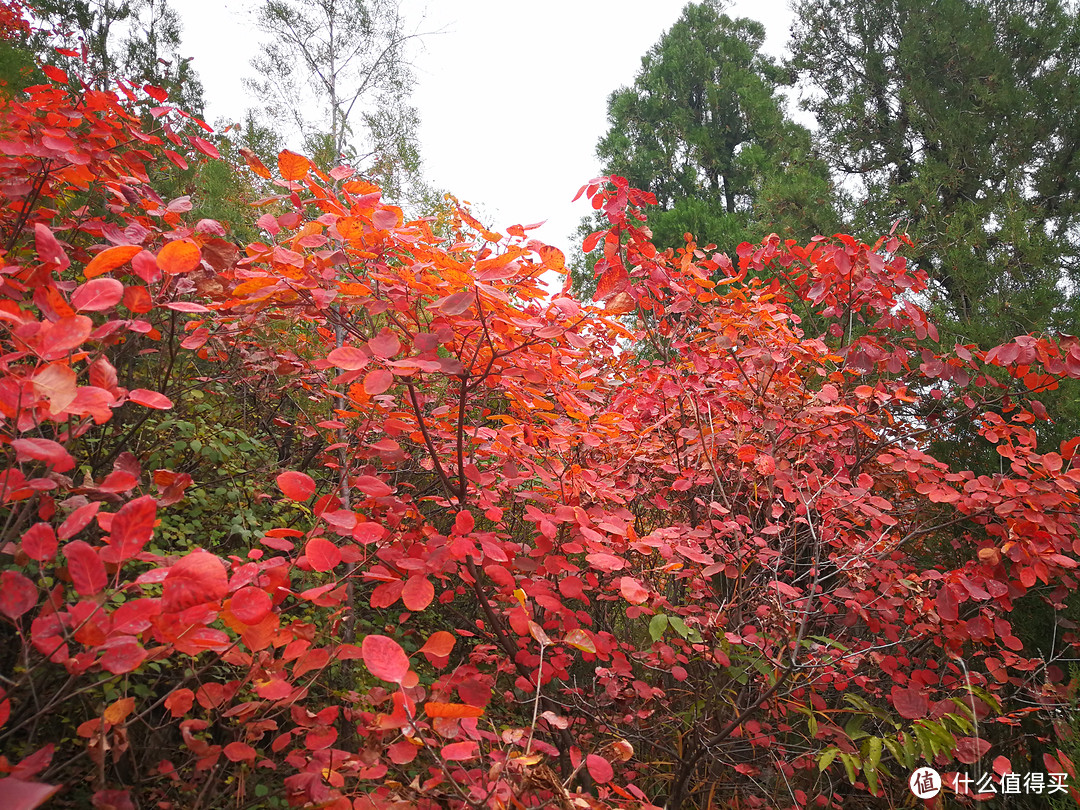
(55, 340)
(158, 94)
(54, 73)
(372, 486)
(122, 654)
(599, 768)
(385, 344)
(970, 750)
(296, 486)
(205, 147)
(613, 280)
(946, 604)
(45, 450)
(17, 594)
(239, 752)
(417, 593)
(474, 692)
(604, 562)
(633, 591)
(196, 579)
(48, 248)
(179, 256)
(460, 751)
(39, 542)
(180, 701)
(322, 554)
(78, 520)
(86, 568)
(910, 703)
(250, 604)
(455, 304)
(97, 294)
(384, 658)
(377, 381)
(151, 399)
(22, 795)
(131, 529)
(348, 358)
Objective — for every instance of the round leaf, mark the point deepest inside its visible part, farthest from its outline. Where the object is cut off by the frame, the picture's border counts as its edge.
(417, 593)
(322, 554)
(97, 294)
(180, 256)
(377, 381)
(384, 658)
(296, 486)
(250, 604)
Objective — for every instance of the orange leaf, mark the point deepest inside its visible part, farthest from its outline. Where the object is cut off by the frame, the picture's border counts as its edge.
(110, 259)
(440, 644)
(581, 640)
(254, 163)
(117, 712)
(293, 166)
(613, 280)
(452, 711)
(417, 593)
(181, 256)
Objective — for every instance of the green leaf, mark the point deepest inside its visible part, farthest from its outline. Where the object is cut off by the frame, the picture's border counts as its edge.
(851, 764)
(827, 757)
(657, 625)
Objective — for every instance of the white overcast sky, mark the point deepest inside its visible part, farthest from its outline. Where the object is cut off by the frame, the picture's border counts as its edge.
(512, 95)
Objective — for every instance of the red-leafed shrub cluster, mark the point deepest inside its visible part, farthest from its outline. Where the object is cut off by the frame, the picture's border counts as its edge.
(678, 546)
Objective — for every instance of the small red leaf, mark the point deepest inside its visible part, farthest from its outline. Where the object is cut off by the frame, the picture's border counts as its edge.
(239, 752)
(599, 768)
(439, 646)
(372, 486)
(460, 751)
(633, 591)
(322, 554)
(122, 654)
(385, 344)
(250, 604)
(377, 381)
(196, 579)
(348, 358)
(97, 294)
(205, 147)
(17, 594)
(86, 568)
(970, 750)
(131, 529)
(296, 486)
(910, 703)
(417, 593)
(384, 658)
(151, 399)
(180, 701)
(39, 542)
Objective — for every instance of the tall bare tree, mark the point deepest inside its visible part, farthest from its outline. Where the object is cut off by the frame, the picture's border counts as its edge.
(338, 73)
